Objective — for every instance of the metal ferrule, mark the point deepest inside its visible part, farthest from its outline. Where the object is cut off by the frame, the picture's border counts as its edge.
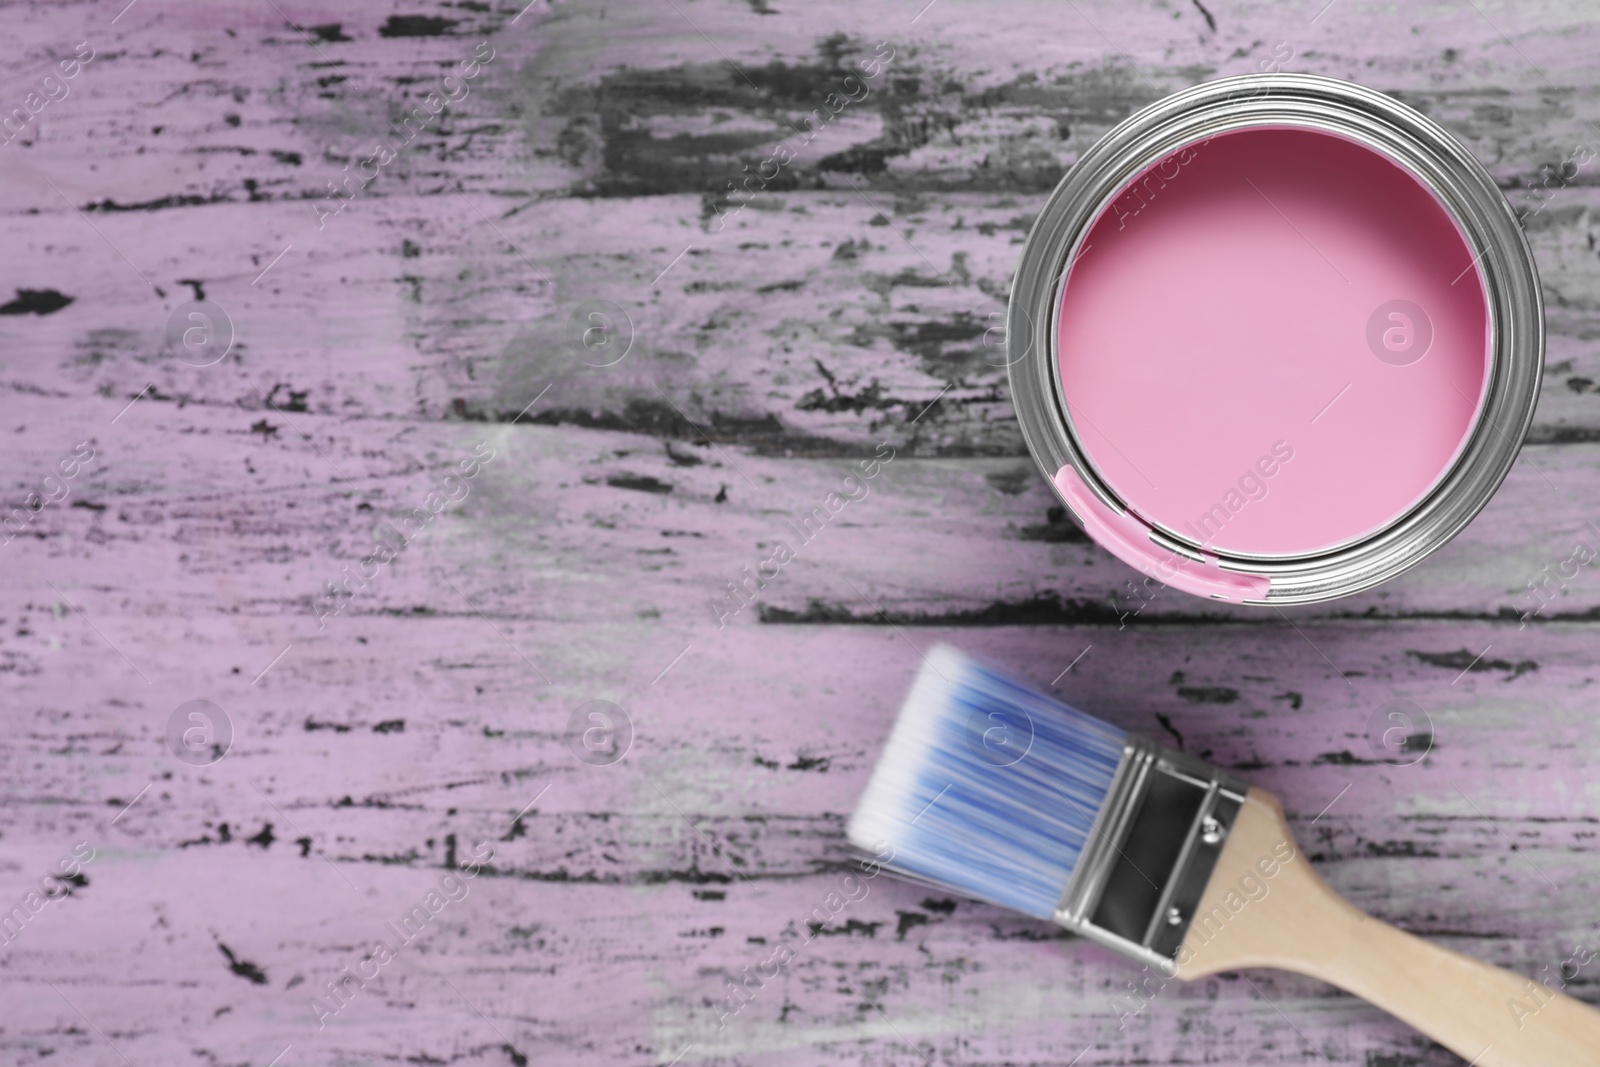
(1154, 845)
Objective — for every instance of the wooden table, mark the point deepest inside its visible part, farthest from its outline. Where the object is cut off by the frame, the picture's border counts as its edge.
(760, 354)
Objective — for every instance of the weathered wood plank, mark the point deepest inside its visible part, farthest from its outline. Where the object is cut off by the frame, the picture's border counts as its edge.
(734, 790)
(880, 338)
(275, 504)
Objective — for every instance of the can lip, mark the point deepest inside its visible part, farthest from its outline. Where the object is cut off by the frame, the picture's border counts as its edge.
(1384, 125)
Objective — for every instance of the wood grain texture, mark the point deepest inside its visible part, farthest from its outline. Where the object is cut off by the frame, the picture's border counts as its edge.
(1266, 907)
(841, 309)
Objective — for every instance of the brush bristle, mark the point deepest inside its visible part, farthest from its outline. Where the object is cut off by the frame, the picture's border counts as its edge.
(987, 786)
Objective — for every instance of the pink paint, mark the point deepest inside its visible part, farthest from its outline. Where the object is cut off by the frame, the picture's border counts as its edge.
(1214, 343)
(1129, 540)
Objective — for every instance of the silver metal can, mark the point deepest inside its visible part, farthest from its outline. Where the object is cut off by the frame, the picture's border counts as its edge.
(1420, 147)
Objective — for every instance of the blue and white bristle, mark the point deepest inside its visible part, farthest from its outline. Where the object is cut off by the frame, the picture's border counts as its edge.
(987, 786)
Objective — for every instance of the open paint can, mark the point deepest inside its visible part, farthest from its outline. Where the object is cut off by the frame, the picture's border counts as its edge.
(1275, 338)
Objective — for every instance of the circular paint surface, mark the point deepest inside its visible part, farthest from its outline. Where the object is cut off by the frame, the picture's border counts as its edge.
(1273, 342)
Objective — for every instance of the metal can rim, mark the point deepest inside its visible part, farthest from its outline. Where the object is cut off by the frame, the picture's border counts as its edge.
(1385, 125)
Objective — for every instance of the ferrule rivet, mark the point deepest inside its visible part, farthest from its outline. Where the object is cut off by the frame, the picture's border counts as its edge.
(1210, 831)
(1174, 917)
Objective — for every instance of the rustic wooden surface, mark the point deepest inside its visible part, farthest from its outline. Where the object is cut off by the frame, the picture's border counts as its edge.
(843, 307)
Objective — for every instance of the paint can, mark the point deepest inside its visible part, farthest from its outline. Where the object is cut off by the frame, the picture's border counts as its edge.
(1319, 225)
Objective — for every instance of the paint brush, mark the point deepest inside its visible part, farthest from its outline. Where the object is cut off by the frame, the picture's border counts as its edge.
(995, 791)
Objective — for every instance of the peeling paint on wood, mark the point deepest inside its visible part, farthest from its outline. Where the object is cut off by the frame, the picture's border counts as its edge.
(444, 717)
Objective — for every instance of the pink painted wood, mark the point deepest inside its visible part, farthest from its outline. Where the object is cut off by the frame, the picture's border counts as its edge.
(422, 317)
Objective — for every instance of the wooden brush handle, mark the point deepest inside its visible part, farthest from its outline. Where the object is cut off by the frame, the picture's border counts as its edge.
(1262, 910)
